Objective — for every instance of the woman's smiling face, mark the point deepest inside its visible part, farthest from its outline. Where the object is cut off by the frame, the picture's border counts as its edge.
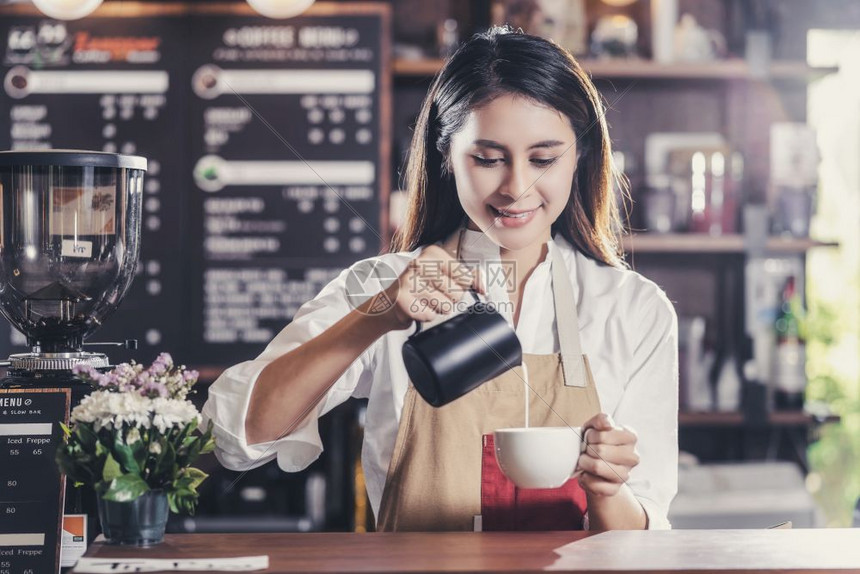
(513, 163)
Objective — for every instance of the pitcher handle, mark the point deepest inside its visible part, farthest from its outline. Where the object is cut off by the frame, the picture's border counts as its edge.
(418, 323)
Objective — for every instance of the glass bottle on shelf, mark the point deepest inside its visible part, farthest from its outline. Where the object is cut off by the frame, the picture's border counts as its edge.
(790, 369)
(447, 38)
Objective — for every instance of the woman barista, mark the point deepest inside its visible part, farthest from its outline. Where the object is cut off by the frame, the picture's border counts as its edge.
(510, 192)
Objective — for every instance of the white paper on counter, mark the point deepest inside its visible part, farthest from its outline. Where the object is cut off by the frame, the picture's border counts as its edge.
(106, 565)
(709, 550)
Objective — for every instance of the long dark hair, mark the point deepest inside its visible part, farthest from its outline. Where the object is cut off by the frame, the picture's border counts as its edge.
(501, 61)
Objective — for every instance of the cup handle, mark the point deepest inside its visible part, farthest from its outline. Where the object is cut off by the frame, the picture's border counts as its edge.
(577, 472)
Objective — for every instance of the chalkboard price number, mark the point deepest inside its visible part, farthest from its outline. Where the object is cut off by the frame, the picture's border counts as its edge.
(52, 34)
(22, 39)
(11, 483)
(14, 452)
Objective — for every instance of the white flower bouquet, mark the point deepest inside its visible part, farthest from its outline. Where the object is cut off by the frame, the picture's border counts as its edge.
(137, 433)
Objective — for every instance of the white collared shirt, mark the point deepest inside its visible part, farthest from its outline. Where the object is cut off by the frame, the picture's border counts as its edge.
(628, 330)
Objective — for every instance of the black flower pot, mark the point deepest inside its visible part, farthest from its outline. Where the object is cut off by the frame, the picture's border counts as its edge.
(139, 522)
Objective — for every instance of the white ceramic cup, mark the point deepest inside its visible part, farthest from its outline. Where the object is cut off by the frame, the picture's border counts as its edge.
(539, 457)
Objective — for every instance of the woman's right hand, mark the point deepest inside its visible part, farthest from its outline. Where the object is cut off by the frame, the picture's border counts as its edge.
(431, 285)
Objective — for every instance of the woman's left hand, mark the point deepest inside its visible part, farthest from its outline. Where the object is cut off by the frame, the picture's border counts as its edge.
(609, 455)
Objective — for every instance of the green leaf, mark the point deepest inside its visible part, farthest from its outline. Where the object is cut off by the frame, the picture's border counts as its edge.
(185, 432)
(209, 446)
(125, 455)
(67, 432)
(196, 476)
(126, 488)
(86, 435)
(193, 452)
(183, 490)
(164, 470)
(172, 503)
(111, 469)
(101, 450)
(182, 501)
(208, 440)
(197, 445)
(185, 493)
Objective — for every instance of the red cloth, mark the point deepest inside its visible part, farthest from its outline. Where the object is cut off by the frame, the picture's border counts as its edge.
(506, 507)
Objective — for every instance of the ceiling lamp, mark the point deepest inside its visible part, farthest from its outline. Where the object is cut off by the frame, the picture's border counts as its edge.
(67, 9)
(280, 8)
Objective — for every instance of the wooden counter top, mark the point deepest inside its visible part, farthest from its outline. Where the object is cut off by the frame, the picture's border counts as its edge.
(679, 551)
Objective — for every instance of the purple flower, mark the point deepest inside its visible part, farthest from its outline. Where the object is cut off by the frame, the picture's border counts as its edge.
(162, 364)
(161, 379)
(82, 369)
(85, 371)
(153, 389)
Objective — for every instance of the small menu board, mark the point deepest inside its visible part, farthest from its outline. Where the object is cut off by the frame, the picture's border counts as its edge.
(31, 486)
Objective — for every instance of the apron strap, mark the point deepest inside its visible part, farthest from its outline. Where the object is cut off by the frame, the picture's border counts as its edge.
(567, 322)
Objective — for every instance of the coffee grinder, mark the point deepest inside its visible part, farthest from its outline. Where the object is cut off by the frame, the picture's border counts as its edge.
(69, 247)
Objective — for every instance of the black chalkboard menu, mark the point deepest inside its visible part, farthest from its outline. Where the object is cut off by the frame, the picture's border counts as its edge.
(266, 139)
(31, 486)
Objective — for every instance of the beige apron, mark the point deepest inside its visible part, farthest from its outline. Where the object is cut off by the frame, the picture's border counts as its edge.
(434, 478)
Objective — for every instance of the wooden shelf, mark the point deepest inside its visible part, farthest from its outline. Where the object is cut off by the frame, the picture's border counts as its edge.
(733, 419)
(700, 243)
(426, 67)
(733, 69)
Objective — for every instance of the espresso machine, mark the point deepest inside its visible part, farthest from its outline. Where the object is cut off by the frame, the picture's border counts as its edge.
(69, 247)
